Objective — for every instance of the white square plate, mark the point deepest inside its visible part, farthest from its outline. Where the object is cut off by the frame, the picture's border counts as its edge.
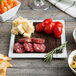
(37, 55)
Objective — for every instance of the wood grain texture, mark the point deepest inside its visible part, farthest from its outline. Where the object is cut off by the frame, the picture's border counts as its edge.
(52, 12)
(32, 67)
(37, 67)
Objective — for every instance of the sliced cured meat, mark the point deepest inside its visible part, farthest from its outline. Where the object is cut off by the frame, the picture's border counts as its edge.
(39, 47)
(28, 47)
(38, 40)
(25, 40)
(19, 48)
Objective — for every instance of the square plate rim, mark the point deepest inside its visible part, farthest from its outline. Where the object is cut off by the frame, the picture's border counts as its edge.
(39, 55)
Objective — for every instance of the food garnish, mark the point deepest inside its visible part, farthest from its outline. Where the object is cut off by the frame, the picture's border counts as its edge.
(4, 64)
(6, 5)
(49, 55)
(49, 27)
(73, 64)
(23, 26)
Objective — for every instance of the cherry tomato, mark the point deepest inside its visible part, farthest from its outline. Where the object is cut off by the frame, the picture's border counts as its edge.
(58, 24)
(47, 21)
(57, 31)
(40, 27)
(53, 25)
(49, 28)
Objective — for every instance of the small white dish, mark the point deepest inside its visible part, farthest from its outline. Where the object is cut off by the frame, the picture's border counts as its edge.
(74, 34)
(10, 13)
(70, 59)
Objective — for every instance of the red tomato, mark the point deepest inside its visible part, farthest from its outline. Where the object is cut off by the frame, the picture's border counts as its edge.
(47, 21)
(49, 28)
(53, 25)
(58, 24)
(40, 27)
(57, 31)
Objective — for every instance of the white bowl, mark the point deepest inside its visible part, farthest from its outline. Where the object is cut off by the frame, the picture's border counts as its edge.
(10, 13)
(74, 34)
(70, 59)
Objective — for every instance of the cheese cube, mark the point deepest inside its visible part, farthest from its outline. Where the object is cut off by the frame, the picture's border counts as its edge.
(31, 28)
(31, 22)
(25, 26)
(20, 29)
(28, 27)
(15, 22)
(14, 31)
(19, 20)
(28, 35)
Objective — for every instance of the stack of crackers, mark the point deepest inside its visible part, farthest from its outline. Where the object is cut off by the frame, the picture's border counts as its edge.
(4, 64)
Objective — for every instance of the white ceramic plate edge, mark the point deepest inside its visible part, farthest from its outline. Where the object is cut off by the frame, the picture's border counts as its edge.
(37, 55)
(70, 59)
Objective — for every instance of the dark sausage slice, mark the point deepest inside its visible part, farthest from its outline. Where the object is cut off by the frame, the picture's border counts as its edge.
(25, 40)
(39, 47)
(28, 47)
(38, 40)
(19, 48)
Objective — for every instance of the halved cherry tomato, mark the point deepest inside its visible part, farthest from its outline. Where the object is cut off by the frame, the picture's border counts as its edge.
(40, 27)
(49, 28)
(57, 31)
(59, 24)
(47, 21)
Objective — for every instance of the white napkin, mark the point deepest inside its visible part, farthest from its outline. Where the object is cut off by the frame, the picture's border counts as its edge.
(68, 6)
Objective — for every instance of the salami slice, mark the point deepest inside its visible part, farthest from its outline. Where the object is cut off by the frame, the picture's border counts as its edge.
(25, 40)
(19, 48)
(28, 47)
(39, 47)
(38, 40)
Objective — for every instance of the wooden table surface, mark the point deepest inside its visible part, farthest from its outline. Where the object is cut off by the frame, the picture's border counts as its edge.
(37, 67)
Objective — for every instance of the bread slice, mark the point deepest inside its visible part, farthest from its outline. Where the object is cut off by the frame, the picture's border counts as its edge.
(4, 57)
(4, 64)
(9, 65)
(3, 71)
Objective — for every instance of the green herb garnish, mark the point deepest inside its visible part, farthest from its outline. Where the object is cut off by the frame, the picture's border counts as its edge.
(49, 56)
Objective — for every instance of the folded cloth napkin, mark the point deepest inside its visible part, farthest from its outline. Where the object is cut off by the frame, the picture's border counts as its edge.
(68, 6)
